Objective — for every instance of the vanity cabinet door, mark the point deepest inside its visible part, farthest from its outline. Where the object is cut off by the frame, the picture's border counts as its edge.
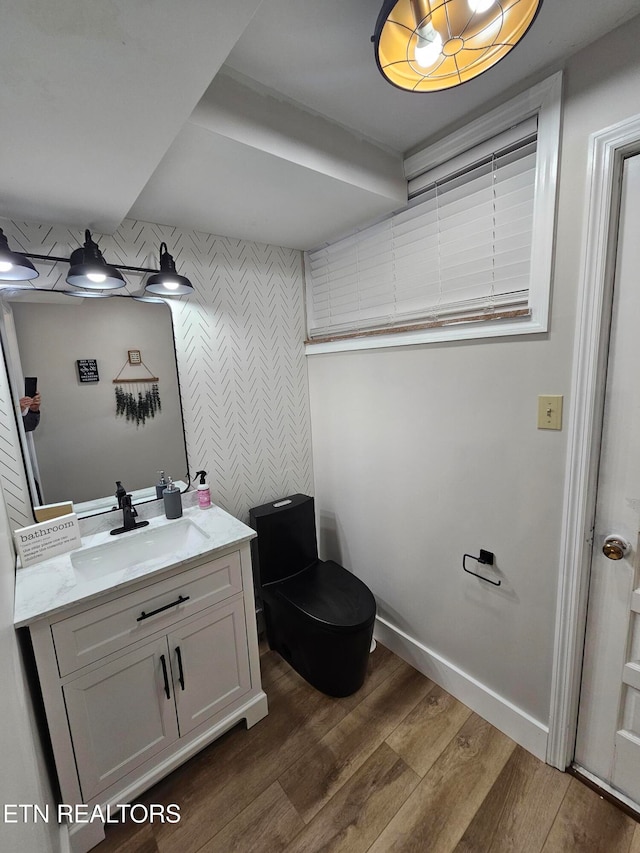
(210, 664)
(120, 715)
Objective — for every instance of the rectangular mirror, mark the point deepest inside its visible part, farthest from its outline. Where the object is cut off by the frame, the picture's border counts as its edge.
(88, 436)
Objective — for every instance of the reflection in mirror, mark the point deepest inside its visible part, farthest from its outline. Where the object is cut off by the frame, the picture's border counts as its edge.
(86, 439)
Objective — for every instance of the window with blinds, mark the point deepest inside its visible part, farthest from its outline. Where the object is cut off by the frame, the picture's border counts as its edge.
(462, 252)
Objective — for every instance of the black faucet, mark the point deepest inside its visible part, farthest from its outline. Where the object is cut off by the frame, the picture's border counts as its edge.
(129, 514)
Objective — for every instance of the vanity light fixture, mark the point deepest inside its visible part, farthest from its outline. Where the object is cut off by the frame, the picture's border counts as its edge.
(167, 282)
(430, 45)
(88, 268)
(14, 266)
(89, 271)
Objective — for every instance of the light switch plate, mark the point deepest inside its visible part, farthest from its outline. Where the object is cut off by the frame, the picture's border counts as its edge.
(550, 411)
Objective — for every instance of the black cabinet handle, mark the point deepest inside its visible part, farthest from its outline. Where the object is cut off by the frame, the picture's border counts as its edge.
(166, 676)
(180, 671)
(179, 600)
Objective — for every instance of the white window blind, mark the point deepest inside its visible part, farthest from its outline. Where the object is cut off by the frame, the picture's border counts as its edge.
(460, 252)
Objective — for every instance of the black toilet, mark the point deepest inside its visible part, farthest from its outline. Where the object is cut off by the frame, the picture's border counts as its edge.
(318, 615)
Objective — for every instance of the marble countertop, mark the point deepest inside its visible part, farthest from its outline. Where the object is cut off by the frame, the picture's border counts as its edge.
(54, 585)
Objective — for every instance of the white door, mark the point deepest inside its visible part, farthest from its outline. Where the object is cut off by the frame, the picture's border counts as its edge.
(608, 738)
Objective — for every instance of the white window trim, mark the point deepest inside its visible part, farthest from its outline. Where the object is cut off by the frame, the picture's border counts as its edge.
(543, 100)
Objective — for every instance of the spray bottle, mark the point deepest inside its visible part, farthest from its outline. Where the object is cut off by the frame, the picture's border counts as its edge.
(204, 494)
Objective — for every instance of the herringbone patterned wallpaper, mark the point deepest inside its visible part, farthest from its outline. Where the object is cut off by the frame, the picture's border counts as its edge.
(239, 342)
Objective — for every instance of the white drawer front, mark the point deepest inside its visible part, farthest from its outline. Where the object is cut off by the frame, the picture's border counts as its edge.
(98, 631)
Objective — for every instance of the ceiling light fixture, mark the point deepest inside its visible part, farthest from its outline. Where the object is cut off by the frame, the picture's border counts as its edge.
(89, 269)
(167, 282)
(430, 45)
(13, 265)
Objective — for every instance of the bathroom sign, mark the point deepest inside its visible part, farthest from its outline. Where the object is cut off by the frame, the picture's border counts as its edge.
(87, 370)
(40, 541)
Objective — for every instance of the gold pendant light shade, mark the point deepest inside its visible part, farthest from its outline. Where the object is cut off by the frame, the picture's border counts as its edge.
(424, 46)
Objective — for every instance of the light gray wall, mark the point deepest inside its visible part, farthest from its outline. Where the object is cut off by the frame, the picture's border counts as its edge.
(82, 447)
(422, 454)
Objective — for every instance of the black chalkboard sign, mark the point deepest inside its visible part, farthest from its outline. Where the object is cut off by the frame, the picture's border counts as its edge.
(87, 370)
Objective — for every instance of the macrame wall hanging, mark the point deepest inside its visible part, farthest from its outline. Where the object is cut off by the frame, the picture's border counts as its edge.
(140, 400)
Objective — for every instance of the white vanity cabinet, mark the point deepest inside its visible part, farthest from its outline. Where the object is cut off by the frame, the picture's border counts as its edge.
(138, 680)
(127, 709)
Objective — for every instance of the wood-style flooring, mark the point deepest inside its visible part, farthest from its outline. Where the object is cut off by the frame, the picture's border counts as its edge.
(400, 766)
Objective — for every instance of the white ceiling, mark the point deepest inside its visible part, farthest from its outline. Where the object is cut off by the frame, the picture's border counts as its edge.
(261, 120)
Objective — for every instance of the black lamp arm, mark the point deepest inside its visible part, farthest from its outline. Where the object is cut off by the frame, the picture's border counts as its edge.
(57, 259)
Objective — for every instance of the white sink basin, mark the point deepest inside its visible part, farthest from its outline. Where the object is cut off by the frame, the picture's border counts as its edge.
(140, 546)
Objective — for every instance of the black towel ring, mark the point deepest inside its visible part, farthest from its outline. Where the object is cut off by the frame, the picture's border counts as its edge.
(485, 559)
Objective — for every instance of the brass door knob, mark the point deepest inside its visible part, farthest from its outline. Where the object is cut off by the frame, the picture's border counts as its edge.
(615, 547)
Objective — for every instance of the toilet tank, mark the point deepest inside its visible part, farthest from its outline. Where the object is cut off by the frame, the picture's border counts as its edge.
(286, 542)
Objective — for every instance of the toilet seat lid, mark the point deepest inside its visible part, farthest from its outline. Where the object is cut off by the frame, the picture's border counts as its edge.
(330, 594)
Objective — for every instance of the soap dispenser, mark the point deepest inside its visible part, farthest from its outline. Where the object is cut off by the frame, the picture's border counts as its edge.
(204, 493)
(172, 500)
(120, 493)
(161, 485)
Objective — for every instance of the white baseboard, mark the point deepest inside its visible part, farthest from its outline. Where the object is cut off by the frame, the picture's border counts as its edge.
(513, 721)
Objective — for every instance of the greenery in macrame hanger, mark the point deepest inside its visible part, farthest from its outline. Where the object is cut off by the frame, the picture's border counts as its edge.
(139, 403)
